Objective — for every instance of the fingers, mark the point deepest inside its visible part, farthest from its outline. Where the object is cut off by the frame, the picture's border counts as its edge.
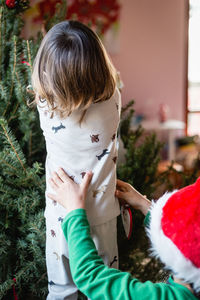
(120, 182)
(52, 197)
(53, 184)
(57, 179)
(86, 181)
(63, 175)
(123, 186)
(119, 194)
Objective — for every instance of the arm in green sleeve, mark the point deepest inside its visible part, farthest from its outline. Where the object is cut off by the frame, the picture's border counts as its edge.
(99, 282)
(147, 219)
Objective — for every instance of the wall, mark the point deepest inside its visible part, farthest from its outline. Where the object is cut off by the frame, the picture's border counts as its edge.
(152, 55)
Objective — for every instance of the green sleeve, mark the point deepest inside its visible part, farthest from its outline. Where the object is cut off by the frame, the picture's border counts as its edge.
(99, 282)
(147, 219)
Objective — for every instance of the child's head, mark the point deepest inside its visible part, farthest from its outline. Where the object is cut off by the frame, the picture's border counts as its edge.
(175, 232)
(72, 69)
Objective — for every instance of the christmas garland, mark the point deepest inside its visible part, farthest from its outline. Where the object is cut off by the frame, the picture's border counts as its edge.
(97, 13)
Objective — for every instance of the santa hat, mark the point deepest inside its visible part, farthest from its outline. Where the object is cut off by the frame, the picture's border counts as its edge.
(174, 232)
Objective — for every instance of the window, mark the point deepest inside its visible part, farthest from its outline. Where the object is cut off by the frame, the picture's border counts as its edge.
(193, 103)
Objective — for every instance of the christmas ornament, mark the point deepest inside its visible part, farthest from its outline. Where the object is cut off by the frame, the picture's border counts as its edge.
(10, 3)
(26, 63)
(127, 220)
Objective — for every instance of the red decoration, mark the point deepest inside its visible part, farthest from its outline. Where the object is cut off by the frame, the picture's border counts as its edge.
(14, 292)
(127, 220)
(10, 3)
(99, 13)
(46, 8)
(26, 63)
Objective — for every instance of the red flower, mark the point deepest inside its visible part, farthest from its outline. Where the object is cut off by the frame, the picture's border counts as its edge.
(10, 3)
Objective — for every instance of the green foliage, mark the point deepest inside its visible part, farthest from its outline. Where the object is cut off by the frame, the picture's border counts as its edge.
(140, 170)
(22, 222)
(22, 184)
(142, 155)
(59, 16)
(16, 56)
(141, 162)
(126, 114)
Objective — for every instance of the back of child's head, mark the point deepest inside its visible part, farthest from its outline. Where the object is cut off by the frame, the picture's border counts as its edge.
(72, 69)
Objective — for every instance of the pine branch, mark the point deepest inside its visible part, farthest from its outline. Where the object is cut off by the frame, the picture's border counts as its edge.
(21, 90)
(3, 89)
(4, 287)
(2, 123)
(29, 54)
(13, 73)
(1, 12)
(12, 115)
(9, 165)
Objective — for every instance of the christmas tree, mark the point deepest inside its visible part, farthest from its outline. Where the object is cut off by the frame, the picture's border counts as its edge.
(142, 155)
(140, 170)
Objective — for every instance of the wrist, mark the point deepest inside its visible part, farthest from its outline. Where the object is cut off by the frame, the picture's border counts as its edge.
(145, 206)
(74, 207)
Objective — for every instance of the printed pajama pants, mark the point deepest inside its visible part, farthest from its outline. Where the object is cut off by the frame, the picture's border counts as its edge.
(60, 282)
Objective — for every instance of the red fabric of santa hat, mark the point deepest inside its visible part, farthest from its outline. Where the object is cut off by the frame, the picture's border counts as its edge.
(174, 232)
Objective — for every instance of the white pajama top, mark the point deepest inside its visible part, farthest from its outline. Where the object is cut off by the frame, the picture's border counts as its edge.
(78, 148)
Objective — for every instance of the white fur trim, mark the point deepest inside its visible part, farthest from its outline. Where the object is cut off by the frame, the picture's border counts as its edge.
(166, 250)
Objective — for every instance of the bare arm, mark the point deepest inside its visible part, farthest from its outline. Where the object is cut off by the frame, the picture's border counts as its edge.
(131, 196)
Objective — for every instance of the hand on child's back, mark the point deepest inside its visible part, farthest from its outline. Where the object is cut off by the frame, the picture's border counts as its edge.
(68, 193)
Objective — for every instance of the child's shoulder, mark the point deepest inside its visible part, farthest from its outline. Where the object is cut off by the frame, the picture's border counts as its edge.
(112, 101)
(96, 112)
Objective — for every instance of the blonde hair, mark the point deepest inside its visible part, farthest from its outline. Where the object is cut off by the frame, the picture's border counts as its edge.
(72, 69)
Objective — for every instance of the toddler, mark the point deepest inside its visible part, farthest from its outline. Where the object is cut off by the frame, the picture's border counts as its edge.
(79, 107)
